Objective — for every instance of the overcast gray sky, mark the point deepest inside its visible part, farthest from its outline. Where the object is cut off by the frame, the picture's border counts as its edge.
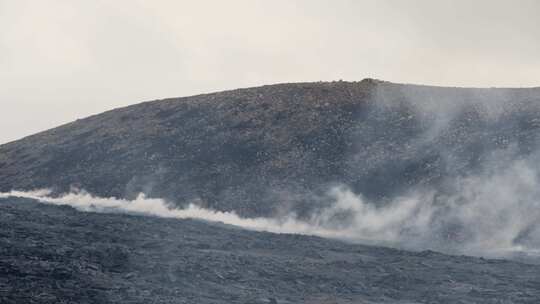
(65, 59)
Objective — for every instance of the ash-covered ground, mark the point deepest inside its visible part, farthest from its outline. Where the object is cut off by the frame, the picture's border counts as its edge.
(454, 170)
(56, 254)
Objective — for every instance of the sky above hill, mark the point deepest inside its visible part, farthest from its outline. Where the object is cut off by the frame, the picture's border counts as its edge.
(62, 59)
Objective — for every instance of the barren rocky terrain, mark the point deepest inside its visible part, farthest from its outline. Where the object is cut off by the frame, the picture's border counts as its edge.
(55, 254)
(437, 171)
(256, 150)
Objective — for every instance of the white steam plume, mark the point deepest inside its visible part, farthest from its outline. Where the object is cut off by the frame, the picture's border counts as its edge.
(492, 214)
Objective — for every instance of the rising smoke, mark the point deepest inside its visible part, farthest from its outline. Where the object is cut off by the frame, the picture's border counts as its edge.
(496, 213)
(482, 142)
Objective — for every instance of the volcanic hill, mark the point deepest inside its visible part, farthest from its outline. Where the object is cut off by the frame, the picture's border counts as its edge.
(258, 150)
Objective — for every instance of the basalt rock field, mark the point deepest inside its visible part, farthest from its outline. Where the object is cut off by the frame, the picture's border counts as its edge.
(339, 169)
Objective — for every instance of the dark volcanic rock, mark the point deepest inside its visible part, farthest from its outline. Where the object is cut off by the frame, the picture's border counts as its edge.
(251, 150)
(53, 254)
(215, 147)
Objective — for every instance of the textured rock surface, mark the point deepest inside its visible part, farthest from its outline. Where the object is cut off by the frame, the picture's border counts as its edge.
(54, 254)
(251, 150)
(215, 147)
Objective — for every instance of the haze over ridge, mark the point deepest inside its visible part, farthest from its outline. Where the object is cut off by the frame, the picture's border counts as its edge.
(431, 167)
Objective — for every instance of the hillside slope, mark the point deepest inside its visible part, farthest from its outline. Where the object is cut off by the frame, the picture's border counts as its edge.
(259, 150)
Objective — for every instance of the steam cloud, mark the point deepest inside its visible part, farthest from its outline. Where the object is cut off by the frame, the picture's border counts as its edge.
(489, 207)
(492, 214)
